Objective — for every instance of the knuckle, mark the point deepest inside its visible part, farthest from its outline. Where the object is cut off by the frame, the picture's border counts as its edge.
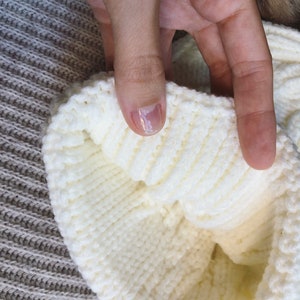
(253, 77)
(255, 70)
(255, 115)
(219, 69)
(142, 69)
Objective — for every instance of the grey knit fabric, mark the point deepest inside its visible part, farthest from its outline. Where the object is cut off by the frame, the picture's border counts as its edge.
(45, 46)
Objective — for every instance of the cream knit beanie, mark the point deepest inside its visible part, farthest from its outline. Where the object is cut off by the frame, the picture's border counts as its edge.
(179, 215)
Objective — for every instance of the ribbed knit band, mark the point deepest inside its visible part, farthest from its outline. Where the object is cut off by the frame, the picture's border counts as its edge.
(45, 46)
(178, 215)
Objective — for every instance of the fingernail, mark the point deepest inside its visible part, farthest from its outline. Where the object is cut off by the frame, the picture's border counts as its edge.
(148, 118)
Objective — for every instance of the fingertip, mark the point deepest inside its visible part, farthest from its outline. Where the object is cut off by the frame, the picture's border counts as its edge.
(141, 92)
(261, 158)
(145, 120)
(258, 140)
(148, 120)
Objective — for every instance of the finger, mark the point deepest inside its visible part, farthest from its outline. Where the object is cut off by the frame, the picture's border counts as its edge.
(166, 38)
(138, 64)
(108, 44)
(210, 45)
(105, 27)
(250, 61)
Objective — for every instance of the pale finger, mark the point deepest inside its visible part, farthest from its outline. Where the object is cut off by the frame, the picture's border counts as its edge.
(105, 27)
(210, 45)
(138, 64)
(250, 60)
(166, 38)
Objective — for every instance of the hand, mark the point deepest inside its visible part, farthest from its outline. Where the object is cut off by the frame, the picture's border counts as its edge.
(137, 37)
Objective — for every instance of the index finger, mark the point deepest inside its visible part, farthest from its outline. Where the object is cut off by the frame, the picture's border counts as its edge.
(250, 60)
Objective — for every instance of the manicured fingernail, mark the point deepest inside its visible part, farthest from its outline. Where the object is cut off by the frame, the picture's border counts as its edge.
(149, 119)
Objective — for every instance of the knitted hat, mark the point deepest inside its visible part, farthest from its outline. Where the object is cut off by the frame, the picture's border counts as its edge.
(179, 215)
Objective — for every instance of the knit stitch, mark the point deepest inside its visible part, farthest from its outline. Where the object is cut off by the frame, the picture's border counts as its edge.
(45, 46)
(178, 215)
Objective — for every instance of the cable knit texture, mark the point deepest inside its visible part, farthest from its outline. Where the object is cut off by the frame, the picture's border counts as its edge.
(179, 215)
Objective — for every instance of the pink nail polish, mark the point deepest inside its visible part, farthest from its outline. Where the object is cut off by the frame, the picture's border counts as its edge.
(148, 118)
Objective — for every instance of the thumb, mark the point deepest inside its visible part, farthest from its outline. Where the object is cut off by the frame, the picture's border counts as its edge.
(138, 64)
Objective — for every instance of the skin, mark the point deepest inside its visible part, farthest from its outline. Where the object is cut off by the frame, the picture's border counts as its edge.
(137, 37)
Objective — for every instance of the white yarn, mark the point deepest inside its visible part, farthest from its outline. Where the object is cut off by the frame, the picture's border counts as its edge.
(178, 215)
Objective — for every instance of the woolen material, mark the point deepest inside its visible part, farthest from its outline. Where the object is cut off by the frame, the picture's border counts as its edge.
(179, 215)
(45, 46)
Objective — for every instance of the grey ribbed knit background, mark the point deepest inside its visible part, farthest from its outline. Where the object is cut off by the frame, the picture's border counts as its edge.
(45, 46)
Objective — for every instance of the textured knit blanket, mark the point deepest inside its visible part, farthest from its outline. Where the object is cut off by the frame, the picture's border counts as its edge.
(179, 215)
